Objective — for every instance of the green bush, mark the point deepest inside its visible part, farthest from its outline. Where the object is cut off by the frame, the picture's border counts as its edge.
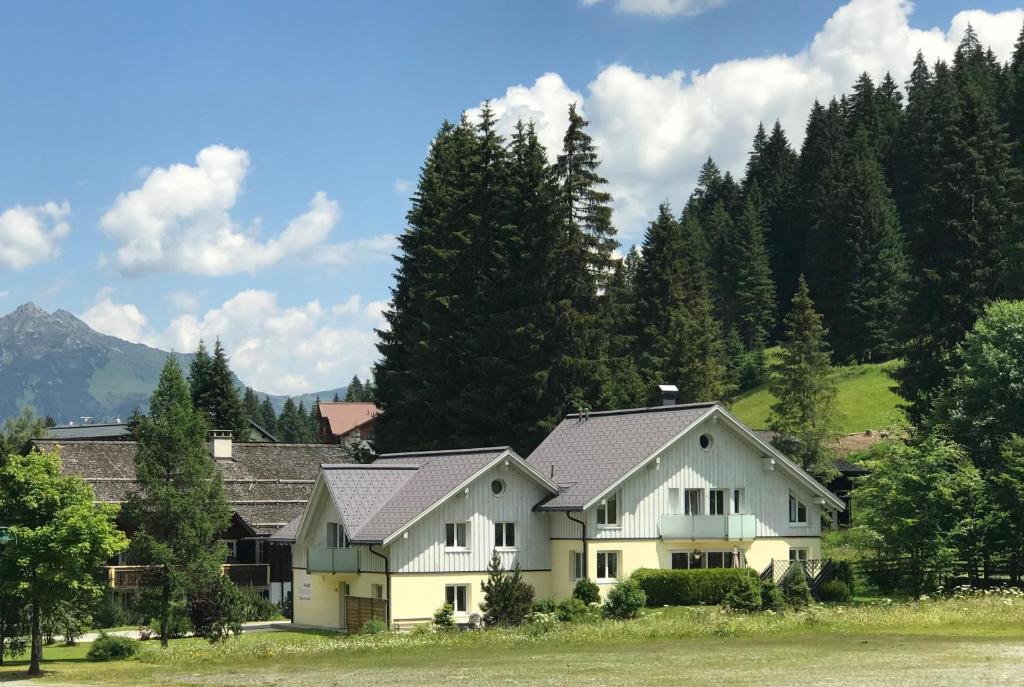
(587, 591)
(374, 626)
(624, 600)
(544, 606)
(772, 598)
(745, 596)
(507, 597)
(835, 591)
(843, 571)
(707, 587)
(443, 618)
(256, 607)
(571, 610)
(794, 587)
(112, 648)
(216, 607)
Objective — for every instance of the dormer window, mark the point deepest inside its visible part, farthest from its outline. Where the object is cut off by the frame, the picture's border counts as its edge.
(797, 511)
(608, 511)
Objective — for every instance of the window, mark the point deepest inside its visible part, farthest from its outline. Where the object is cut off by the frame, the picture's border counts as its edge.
(716, 505)
(377, 590)
(694, 501)
(737, 500)
(455, 594)
(607, 565)
(706, 441)
(498, 487)
(505, 535)
(681, 560)
(798, 554)
(797, 511)
(335, 534)
(455, 535)
(576, 565)
(608, 511)
(232, 547)
(673, 501)
(718, 559)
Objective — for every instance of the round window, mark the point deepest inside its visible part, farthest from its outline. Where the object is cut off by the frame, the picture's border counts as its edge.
(706, 441)
(497, 487)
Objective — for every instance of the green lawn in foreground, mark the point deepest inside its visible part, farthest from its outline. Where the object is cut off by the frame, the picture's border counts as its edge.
(865, 400)
(977, 642)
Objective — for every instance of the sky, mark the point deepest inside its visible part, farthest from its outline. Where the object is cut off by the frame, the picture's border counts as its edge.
(187, 170)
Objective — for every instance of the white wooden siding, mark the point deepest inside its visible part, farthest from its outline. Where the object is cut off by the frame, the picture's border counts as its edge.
(321, 512)
(424, 549)
(732, 463)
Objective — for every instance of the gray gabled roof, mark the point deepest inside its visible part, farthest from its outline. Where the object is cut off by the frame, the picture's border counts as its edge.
(95, 432)
(378, 501)
(588, 453)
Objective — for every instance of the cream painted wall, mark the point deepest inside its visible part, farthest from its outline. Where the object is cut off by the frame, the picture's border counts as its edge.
(415, 596)
(317, 598)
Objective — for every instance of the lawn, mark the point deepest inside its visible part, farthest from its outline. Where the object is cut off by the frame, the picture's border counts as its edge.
(865, 400)
(979, 641)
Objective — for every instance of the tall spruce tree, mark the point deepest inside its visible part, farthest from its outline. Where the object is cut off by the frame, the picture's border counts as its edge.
(199, 372)
(268, 417)
(755, 289)
(214, 393)
(251, 405)
(354, 392)
(803, 384)
(179, 510)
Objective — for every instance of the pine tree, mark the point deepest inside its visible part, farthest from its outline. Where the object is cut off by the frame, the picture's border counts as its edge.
(1015, 97)
(755, 290)
(267, 416)
(291, 425)
(725, 256)
(337, 398)
(251, 405)
(354, 392)
(214, 392)
(199, 373)
(803, 384)
(179, 509)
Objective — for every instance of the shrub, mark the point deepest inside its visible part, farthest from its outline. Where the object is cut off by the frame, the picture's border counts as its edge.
(443, 619)
(544, 606)
(216, 607)
(256, 607)
(795, 589)
(110, 611)
(835, 591)
(692, 587)
(68, 619)
(772, 598)
(112, 648)
(625, 600)
(843, 571)
(374, 626)
(571, 610)
(587, 591)
(745, 596)
(507, 598)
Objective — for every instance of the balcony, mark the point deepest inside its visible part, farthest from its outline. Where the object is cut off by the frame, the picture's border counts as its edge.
(332, 560)
(130, 577)
(730, 527)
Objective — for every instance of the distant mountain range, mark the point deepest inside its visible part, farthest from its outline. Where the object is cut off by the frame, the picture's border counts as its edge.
(61, 367)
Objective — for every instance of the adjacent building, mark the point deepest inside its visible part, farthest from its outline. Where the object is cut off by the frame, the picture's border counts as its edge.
(676, 486)
(342, 422)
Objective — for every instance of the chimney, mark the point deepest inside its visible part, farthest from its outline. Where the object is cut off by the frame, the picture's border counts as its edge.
(668, 394)
(220, 444)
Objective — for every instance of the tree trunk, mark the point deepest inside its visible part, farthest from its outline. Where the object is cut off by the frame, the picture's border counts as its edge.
(37, 643)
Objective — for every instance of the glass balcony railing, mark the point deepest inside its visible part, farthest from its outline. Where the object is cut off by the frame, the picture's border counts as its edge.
(733, 527)
(332, 560)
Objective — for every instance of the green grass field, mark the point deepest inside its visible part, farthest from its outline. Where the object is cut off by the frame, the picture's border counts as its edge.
(865, 400)
(978, 641)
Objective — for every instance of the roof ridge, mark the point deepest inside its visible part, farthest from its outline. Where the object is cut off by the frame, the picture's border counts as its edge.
(647, 409)
(449, 452)
(368, 466)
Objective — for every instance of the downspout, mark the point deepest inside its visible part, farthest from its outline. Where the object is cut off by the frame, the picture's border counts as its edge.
(583, 538)
(387, 578)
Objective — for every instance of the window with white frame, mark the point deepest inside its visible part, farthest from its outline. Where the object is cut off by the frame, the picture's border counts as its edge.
(716, 502)
(798, 554)
(673, 501)
(608, 511)
(693, 503)
(576, 564)
(377, 590)
(718, 559)
(797, 511)
(681, 560)
(455, 536)
(687, 560)
(335, 535)
(505, 535)
(607, 565)
(457, 595)
(737, 500)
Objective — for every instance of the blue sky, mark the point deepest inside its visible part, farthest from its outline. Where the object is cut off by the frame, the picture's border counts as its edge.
(315, 116)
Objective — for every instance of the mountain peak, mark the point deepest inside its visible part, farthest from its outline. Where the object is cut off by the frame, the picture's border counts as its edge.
(29, 309)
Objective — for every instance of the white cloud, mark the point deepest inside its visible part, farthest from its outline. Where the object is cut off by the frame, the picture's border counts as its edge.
(274, 349)
(662, 8)
(655, 130)
(4, 294)
(180, 220)
(183, 301)
(31, 235)
(351, 252)
(403, 186)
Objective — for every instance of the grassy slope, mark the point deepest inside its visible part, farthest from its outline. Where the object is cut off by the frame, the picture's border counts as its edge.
(977, 641)
(865, 400)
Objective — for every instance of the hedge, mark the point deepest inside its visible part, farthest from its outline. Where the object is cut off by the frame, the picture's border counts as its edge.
(706, 587)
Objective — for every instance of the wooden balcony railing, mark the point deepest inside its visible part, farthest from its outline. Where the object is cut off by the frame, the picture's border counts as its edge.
(129, 577)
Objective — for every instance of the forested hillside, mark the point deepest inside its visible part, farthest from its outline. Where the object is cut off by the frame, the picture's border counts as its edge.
(511, 308)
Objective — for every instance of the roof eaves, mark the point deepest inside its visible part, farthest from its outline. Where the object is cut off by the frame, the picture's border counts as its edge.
(445, 452)
(645, 409)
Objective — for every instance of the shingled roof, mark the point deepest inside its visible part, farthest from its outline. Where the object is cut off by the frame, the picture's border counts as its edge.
(379, 500)
(267, 484)
(344, 416)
